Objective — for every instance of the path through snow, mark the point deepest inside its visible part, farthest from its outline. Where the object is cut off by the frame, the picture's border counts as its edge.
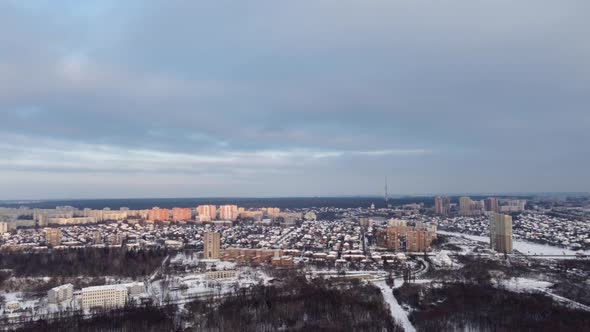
(398, 314)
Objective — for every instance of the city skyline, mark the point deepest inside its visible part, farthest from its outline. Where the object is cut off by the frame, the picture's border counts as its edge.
(307, 98)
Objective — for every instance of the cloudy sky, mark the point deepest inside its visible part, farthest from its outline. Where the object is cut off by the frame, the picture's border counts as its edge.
(285, 98)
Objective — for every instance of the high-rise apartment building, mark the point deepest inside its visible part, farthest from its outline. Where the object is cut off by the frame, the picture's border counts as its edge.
(491, 204)
(398, 236)
(157, 214)
(228, 212)
(468, 207)
(3, 227)
(271, 212)
(97, 237)
(465, 205)
(53, 236)
(207, 212)
(418, 239)
(442, 205)
(212, 245)
(181, 214)
(501, 232)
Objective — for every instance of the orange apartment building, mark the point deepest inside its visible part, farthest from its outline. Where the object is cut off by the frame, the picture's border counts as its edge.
(157, 214)
(400, 237)
(258, 256)
(181, 214)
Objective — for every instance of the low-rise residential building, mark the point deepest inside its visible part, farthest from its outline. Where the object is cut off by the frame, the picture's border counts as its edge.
(108, 296)
(223, 274)
(60, 293)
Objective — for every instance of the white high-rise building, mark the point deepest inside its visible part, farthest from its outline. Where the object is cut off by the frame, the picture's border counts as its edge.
(3, 227)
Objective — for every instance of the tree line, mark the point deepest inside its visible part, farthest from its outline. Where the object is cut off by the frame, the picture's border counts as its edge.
(462, 306)
(92, 262)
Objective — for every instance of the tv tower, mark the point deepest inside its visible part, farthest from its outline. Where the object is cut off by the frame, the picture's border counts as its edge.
(386, 194)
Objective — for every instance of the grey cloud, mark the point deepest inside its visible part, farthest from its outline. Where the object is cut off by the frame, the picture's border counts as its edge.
(362, 86)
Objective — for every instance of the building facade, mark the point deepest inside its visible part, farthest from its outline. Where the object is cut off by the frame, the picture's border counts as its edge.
(468, 207)
(108, 296)
(60, 293)
(53, 236)
(491, 205)
(223, 274)
(181, 214)
(442, 205)
(501, 232)
(228, 212)
(212, 245)
(157, 214)
(397, 236)
(207, 212)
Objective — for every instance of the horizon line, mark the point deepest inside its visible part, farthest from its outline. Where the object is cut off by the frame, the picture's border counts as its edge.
(390, 196)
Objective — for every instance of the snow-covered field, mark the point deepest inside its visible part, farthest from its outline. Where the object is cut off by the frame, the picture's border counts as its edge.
(442, 260)
(525, 284)
(522, 246)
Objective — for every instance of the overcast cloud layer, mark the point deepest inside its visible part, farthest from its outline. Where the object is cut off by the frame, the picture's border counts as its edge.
(264, 98)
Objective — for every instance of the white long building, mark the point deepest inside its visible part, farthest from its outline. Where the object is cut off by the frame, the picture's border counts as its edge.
(108, 296)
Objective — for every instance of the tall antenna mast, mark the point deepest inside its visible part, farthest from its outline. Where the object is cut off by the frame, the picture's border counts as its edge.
(386, 194)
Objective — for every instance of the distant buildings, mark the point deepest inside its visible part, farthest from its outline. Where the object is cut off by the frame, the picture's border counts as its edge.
(468, 207)
(157, 214)
(107, 214)
(212, 245)
(14, 218)
(70, 221)
(60, 293)
(53, 236)
(207, 212)
(513, 206)
(501, 232)
(442, 205)
(491, 204)
(288, 218)
(181, 214)
(271, 212)
(228, 212)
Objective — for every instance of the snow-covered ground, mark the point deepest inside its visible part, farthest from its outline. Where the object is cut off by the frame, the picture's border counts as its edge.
(522, 246)
(521, 285)
(442, 260)
(397, 312)
(525, 284)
